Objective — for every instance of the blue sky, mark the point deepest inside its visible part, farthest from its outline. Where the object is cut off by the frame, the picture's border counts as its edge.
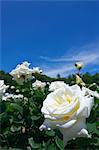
(52, 35)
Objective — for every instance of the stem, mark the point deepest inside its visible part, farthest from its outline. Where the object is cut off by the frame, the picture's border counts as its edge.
(78, 73)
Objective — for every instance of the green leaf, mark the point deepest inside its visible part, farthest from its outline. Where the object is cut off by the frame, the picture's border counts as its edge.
(2, 115)
(14, 107)
(96, 101)
(29, 148)
(92, 128)
(97, 143)
(50, 133)
(15, 129)
(33, 144)
(6, 131)
(35, 117)
(11, 119)
(52, 147)
(14, 149)
(59, 143)
(44, 144)
(4, 148)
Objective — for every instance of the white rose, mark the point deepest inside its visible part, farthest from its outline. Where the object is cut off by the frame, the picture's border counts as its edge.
(37, 70)
(12, 87)
(67, 109)
(19, 96)
(8, 96)
(39, 85)
(17, 91)
(56, 85)
(3, 87)
(22, 73)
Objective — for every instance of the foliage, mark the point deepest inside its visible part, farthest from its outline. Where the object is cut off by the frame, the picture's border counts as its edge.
(21, 118)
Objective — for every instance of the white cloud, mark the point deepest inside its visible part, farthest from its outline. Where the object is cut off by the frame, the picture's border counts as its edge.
(63, 70)
(89, 55)
(86, 57)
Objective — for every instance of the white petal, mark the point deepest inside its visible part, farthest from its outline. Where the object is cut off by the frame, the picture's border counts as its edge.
(67, 124)
(86, 104)
(42, 127)
(89, 104)
(76, 88)
(84, 133)
(47, 124)
(90, 92)
(70, 133)
(56, 85)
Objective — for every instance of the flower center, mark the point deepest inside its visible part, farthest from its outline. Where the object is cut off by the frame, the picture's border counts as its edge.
(60, 100)
(68, 98)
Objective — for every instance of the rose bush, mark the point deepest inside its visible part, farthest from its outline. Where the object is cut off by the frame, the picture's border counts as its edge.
(67, 110)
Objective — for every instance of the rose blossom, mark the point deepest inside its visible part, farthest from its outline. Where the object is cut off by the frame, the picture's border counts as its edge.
(22, 73)
(3, 87)
(37, 70)
(67, 108)
(39, 85)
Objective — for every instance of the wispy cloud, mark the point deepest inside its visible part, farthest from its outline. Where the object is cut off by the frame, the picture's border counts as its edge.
(63, 70)
(86, 57)
(87, 54)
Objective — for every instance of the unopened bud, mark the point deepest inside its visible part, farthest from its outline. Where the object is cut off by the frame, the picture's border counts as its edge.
(23, 129)
(79, 65)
